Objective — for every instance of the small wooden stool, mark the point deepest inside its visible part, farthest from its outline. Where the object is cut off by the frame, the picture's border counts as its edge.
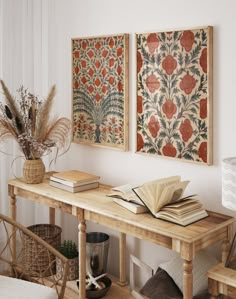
(221, 280)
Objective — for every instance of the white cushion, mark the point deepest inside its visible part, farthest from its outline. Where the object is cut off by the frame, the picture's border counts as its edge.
(201, 264)
(12, 288)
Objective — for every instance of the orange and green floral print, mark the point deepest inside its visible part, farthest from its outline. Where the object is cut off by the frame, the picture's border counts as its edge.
(174, 94)
(100, 82)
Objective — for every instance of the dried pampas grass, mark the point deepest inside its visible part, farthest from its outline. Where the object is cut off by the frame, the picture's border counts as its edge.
(27, 120)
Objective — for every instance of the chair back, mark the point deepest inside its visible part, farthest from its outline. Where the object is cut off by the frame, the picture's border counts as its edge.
(14, 238)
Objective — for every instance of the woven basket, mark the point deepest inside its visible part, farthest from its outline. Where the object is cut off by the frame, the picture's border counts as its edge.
(33, 171)
(51, 234)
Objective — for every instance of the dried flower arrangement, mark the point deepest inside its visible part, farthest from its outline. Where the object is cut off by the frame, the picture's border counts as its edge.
(27, 120)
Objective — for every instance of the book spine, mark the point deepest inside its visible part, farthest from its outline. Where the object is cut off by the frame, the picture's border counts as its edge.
(72, 184)
(74, 189)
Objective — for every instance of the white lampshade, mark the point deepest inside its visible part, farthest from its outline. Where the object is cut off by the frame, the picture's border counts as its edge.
(229, 183)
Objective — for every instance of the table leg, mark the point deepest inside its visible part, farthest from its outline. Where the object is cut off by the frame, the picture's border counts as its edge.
(51, 215)
(213, 288)
(82, 258)
(225, 250)
(12, 214)
(122, 248)
(187, 279)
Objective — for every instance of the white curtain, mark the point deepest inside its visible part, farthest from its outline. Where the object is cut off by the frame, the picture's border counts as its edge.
(23, 61)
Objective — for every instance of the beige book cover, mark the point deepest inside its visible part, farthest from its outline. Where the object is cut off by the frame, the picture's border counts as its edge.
(76, 176)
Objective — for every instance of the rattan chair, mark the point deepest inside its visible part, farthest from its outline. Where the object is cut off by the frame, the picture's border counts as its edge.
(28, 277)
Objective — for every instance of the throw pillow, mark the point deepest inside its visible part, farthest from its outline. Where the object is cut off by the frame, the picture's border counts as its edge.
(201, 264)
(161, 286)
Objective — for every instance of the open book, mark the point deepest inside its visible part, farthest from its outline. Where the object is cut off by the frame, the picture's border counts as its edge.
(126, 193)
(164, 199)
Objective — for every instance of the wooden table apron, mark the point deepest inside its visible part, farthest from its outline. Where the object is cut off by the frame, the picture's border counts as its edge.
(94, 205)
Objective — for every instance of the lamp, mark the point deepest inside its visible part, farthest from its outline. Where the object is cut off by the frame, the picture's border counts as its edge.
(229, 183)
(229, 198)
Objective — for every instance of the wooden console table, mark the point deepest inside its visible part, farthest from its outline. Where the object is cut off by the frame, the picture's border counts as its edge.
(95, 206)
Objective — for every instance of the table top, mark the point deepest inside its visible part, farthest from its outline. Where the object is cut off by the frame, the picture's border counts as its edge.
(97, 202)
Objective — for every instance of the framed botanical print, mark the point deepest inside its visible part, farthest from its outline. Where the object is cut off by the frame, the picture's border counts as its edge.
(174, 94)
(100, 90)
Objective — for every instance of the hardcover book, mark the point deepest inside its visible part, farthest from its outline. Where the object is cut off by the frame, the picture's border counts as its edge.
(131, 206)
(76, 188)
(74, 178)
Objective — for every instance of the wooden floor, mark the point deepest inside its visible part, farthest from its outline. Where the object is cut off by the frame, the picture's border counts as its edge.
(115, 292)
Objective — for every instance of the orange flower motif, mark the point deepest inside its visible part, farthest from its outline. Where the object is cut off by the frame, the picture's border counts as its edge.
(76, 70)
(97, 82)
(169, 150)
(111, 80)
(153, 126)
(76, 54)
(139, 61)
(187, 84)
(104, 89)
(83, 63)
(90, 53)
(76, 84)
(84, 45)
(152, 42)
(140, 142)
(140, 104)
(111, 62)
(119, 52)
(97, 97)
(119, 86)
(91, 72)
(202, 151)
(203, 60)
(186, 130)
(203, 108)
(104, 72)
(111, 43)
(169, 64)
(187, 40)
(104, 53)
(90, 88)
(97, 45)
(83, 80)
(97, 64)
(152, 83)
(169, 108)
(119, 70)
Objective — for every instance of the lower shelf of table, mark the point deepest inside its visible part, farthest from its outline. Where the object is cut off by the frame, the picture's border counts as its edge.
(115, 292)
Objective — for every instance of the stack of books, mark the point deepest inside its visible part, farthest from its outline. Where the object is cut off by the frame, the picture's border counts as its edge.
(74, 180)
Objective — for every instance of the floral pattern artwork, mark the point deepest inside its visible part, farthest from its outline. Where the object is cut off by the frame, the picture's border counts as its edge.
(100, 90)
(174, 78)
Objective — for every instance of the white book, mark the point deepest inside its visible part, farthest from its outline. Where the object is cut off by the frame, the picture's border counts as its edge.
(131, 206)
(74, 189)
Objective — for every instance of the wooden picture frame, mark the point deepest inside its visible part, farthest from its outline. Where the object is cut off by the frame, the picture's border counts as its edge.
(174, 94)
(100, 91)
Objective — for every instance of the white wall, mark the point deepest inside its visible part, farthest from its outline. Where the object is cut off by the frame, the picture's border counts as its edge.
(79, 18)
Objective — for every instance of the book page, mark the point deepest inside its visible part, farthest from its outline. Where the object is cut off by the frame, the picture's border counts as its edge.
(150, 192)
(172, 193)
(125, 192)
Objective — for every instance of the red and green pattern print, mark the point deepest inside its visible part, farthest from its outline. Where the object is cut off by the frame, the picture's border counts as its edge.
(172, 94)
(98, 90)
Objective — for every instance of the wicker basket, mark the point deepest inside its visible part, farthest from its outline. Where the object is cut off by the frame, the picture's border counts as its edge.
(51, 234)
(33, 171)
